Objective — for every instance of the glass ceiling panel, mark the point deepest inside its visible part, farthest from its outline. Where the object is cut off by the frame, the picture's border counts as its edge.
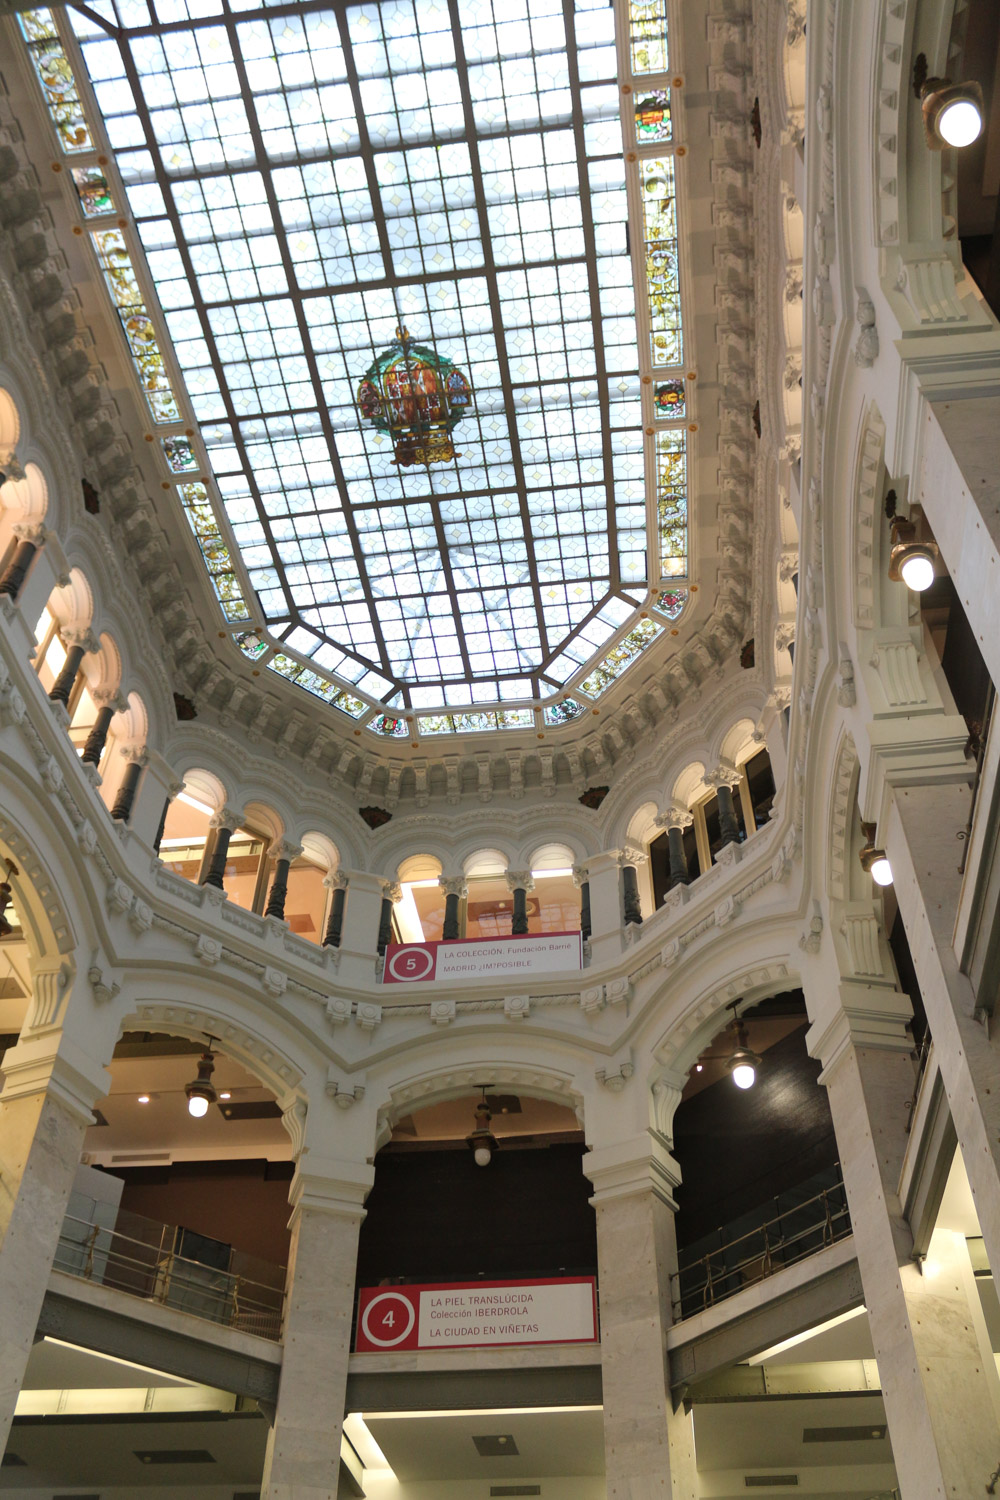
(310, 187)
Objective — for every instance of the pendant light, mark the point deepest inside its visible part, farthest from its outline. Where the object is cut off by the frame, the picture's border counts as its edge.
(874, 861)
(201, 1091)
(481, 1141)
(742, 1062)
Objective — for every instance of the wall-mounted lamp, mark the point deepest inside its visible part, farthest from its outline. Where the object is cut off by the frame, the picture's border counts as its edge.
(742, 1062)
(201, 1092)
(953, 112)
(911, 561)
(481, 1141)
(873, 860)
(5, 898)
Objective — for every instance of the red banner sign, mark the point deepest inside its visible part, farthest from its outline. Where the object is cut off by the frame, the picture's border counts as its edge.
(477, 1314)
(472, 959)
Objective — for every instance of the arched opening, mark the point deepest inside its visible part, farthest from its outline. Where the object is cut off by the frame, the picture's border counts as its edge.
(419, 915)
(187, 829)
(744, 1213)
(435, 1215)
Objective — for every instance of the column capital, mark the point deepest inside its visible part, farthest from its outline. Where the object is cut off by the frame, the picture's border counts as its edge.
(135, 754)
(857, 1015)
(112, 698)
(331, 1186)
(631, 854)
(675, 815)
(581, 874)
(31, 531)
(456, 885)
(640, 1164)
(69, 1074)
(724, 774)
(227, 817)
(392, 890)
(519, 880)
(336, 880)
(81, 636)
(284, 849)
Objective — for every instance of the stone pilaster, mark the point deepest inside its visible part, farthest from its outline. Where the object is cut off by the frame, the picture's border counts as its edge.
(51, 1087)
(938, 1400)
(303, 1455)
(648, 1446)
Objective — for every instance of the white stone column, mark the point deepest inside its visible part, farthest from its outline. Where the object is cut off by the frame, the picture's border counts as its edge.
(923, 851)
(159, 785)
(938, 1399)
(648, 1446)
(361, 923)
(51, 1086)
(303, 1453)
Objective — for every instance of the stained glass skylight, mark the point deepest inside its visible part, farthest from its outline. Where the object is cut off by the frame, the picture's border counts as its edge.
(304, 182)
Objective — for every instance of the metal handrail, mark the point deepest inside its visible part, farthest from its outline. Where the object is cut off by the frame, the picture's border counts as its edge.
(153, 1269)
(773, 1249)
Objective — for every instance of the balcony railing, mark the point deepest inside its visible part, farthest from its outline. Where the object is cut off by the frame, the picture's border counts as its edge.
(143, 1258)
(792, 1235)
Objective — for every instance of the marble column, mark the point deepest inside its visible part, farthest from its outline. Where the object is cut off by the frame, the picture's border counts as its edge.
(675, 819)
(919, 841)
(337, 882)
(630, 895)
(648, 1445)
(723, 779)
(580, 879)
(455, 891)
(29, 539)
(51, 1086)
(225, 824)
(79, 643)
(282, 853)
(109, 704)
(519, 883)
(938, 1400)
(303, 1453)
(392, 892)
(121, 809)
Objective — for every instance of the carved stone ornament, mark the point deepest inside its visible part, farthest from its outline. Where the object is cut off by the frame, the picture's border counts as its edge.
(368, 1015)
(616, 1080)
(338, 1010)
(208, 949)
(443, 1012)
(516, 1007)
(592, 999)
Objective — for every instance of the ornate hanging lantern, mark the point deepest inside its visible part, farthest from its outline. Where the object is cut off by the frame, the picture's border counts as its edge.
(416, 396)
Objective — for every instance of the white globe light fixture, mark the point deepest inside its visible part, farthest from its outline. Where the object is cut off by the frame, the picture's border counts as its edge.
(481, 1140)
(911, 561)
(873, 860)
(201, 1092)
(953, 113)
(742, 1063)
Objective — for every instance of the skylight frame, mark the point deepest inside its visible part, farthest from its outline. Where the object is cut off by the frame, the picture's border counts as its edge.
(570, 688)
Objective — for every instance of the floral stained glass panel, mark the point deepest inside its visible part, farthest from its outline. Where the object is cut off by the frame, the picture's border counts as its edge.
(647, 22)
(476, 721)
(659, 209)
(93, 192)
(620, 657)
(652, 117)
(215, 554)
(140, 334)
(671, 501)
(56, 78)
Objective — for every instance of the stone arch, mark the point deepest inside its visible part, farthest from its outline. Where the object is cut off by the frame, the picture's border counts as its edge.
(10, 422)
(72, 604)
(690, 784)
(226, 1020)
(419, 867)
(677, 1051)
(205, 786)
(264, 818)
(322, 849)
(102, 669)
(843, 800)
(486, 861)
(555, 1080)
(738, 742)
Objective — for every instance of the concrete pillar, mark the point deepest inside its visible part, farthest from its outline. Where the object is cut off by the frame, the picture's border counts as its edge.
(364, 913)
(938, 1399)
(51, 1086)
(604, 879)
(648, 1446)
(920, 831)
(303, 1454)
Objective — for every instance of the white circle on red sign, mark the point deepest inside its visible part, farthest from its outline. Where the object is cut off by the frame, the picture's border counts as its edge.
(412, 963)
(387, 1319)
